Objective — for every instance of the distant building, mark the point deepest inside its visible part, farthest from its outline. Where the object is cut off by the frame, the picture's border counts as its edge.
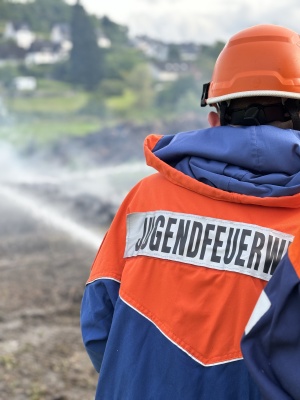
(151, 48)
(25, 83)
(189, 51)
(103, 42)
(60, 34)
(20, 33)
(45, 52)
(169, 71)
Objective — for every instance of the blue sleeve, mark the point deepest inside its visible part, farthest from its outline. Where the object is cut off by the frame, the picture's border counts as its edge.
(271, 343)
(97, 309)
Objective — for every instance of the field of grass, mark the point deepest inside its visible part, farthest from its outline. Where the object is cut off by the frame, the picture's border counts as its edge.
(43, 103)
(54, 110)
(44, 130)
(57, 110)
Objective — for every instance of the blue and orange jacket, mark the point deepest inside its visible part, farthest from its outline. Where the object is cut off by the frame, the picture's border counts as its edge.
(185, 260)
(271, 344)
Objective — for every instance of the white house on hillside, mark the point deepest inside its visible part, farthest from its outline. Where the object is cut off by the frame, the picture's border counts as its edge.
(20, 33)
(151, 48)
(60, 34)
(45, 52)
(25, 83)
(169, 71)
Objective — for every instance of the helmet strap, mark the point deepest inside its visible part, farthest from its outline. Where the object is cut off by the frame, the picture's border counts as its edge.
(292, 106)
(223, 107)
(259, 114)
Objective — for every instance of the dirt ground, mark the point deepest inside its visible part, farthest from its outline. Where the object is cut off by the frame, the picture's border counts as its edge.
(43, 273)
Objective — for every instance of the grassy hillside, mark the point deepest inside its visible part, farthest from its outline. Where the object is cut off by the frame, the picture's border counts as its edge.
(52, 111)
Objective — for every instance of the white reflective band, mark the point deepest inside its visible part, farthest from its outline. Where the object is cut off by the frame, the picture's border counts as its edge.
(207, 242)
(262, 306)
(253, 93)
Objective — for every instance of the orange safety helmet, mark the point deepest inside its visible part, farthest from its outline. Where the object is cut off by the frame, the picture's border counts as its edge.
(263, 60)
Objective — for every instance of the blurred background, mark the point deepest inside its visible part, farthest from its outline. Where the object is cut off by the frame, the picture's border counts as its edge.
(81, 86)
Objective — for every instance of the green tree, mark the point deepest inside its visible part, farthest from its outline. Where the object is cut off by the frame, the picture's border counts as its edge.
(207, 58)
(117, 34)
(43, 14)
(174, 53)
(173, 93)
(86, 58)
(40, 15)
(139, 79)
(121, 60)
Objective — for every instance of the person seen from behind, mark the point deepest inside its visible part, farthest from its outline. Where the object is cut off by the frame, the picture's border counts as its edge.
(193, 245)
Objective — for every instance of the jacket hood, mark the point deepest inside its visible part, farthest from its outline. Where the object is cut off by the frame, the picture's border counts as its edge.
(256, 164)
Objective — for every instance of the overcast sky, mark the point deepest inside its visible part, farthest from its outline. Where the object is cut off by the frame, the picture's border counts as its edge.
(195, 20)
